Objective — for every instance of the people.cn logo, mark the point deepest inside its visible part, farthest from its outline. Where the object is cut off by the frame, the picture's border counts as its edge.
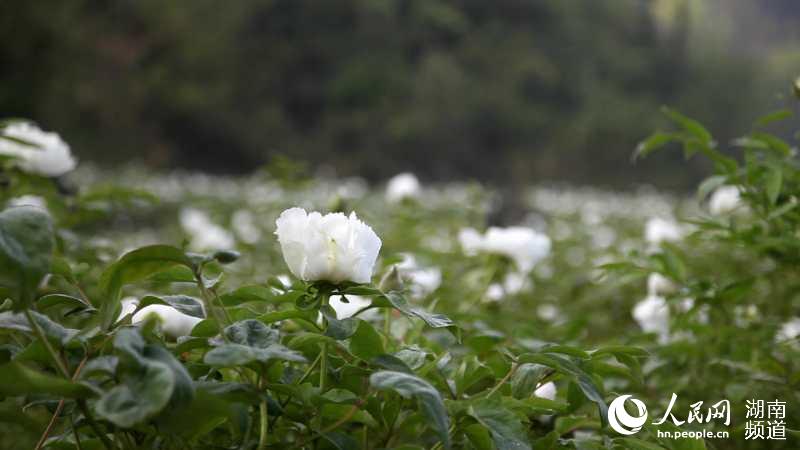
(621, 421)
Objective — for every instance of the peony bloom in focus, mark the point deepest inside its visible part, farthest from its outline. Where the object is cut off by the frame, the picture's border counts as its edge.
(525, 246)
(402, 186)
(724, 200)
(333, 247)
(47, 155)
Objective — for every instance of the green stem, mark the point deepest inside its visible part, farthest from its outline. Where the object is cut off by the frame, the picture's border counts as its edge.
(52, 351)
(262, 437)
(387, 324)
(323, 367)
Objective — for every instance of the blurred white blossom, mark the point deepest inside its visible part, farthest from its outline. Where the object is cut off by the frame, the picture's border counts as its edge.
(244, 225)
(658, 230)
(42, 153)
(525, 246)
(333, 247)
(652, 315)
(423, 280)
(789, 330)
(29, 200)
(658, 284)
(547, 390)
(204, 233)
(725, 200)
(401, 186)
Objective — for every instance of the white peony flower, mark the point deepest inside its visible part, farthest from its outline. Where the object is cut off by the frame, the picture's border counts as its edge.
(129, 305)
(345, 310)
(423, 281)
(789, 330)
(173, 322)
(333, 247)
(523, 245)
(652, 315)
(47, 155)
(471, 241)
(547, 390)
(205, 234)
(724, 200)
(244, 224)
(658, 284)
(658, 230)
(402, 186)
(29, 200)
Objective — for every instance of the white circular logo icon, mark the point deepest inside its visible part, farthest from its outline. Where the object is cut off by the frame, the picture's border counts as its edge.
(621, 421)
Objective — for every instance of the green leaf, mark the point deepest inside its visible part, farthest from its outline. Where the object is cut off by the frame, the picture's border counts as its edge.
(710, 184)
(398, 301)
(338, 329)
(54, 331)
(428, 397)
(231, 355)
(567, 367)
(366, 343)
(252, 333)
(26, 251)
(773, 183)
(188, 305)
(139, 397)
(63, 300)
(506, 428)
(652, 143)
(776, 116)
(689, 125)
(525, 379)
(132, 267)
(18, 379)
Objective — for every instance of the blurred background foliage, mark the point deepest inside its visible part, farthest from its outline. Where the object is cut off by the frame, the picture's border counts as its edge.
(504, 91)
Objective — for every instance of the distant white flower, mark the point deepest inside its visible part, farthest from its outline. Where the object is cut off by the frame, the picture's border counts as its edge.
(129, 305)
(333, 247)
(547, 390)
(525, 246)
(658, 230)
(345, 310)
(404, 185)
(658, 284)
(423, 280)
(29, 200)
(789, 330)
(47, 155)
(204, 233)
(495, 292)
(652, 315)
(244, 225)
(173, 322)
(548, 312)
(724, 200)
(471, 241)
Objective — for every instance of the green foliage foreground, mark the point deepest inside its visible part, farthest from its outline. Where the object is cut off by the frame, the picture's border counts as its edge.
(237, 355)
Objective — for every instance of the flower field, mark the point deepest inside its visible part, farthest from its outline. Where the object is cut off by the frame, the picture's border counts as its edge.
(174, 311)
